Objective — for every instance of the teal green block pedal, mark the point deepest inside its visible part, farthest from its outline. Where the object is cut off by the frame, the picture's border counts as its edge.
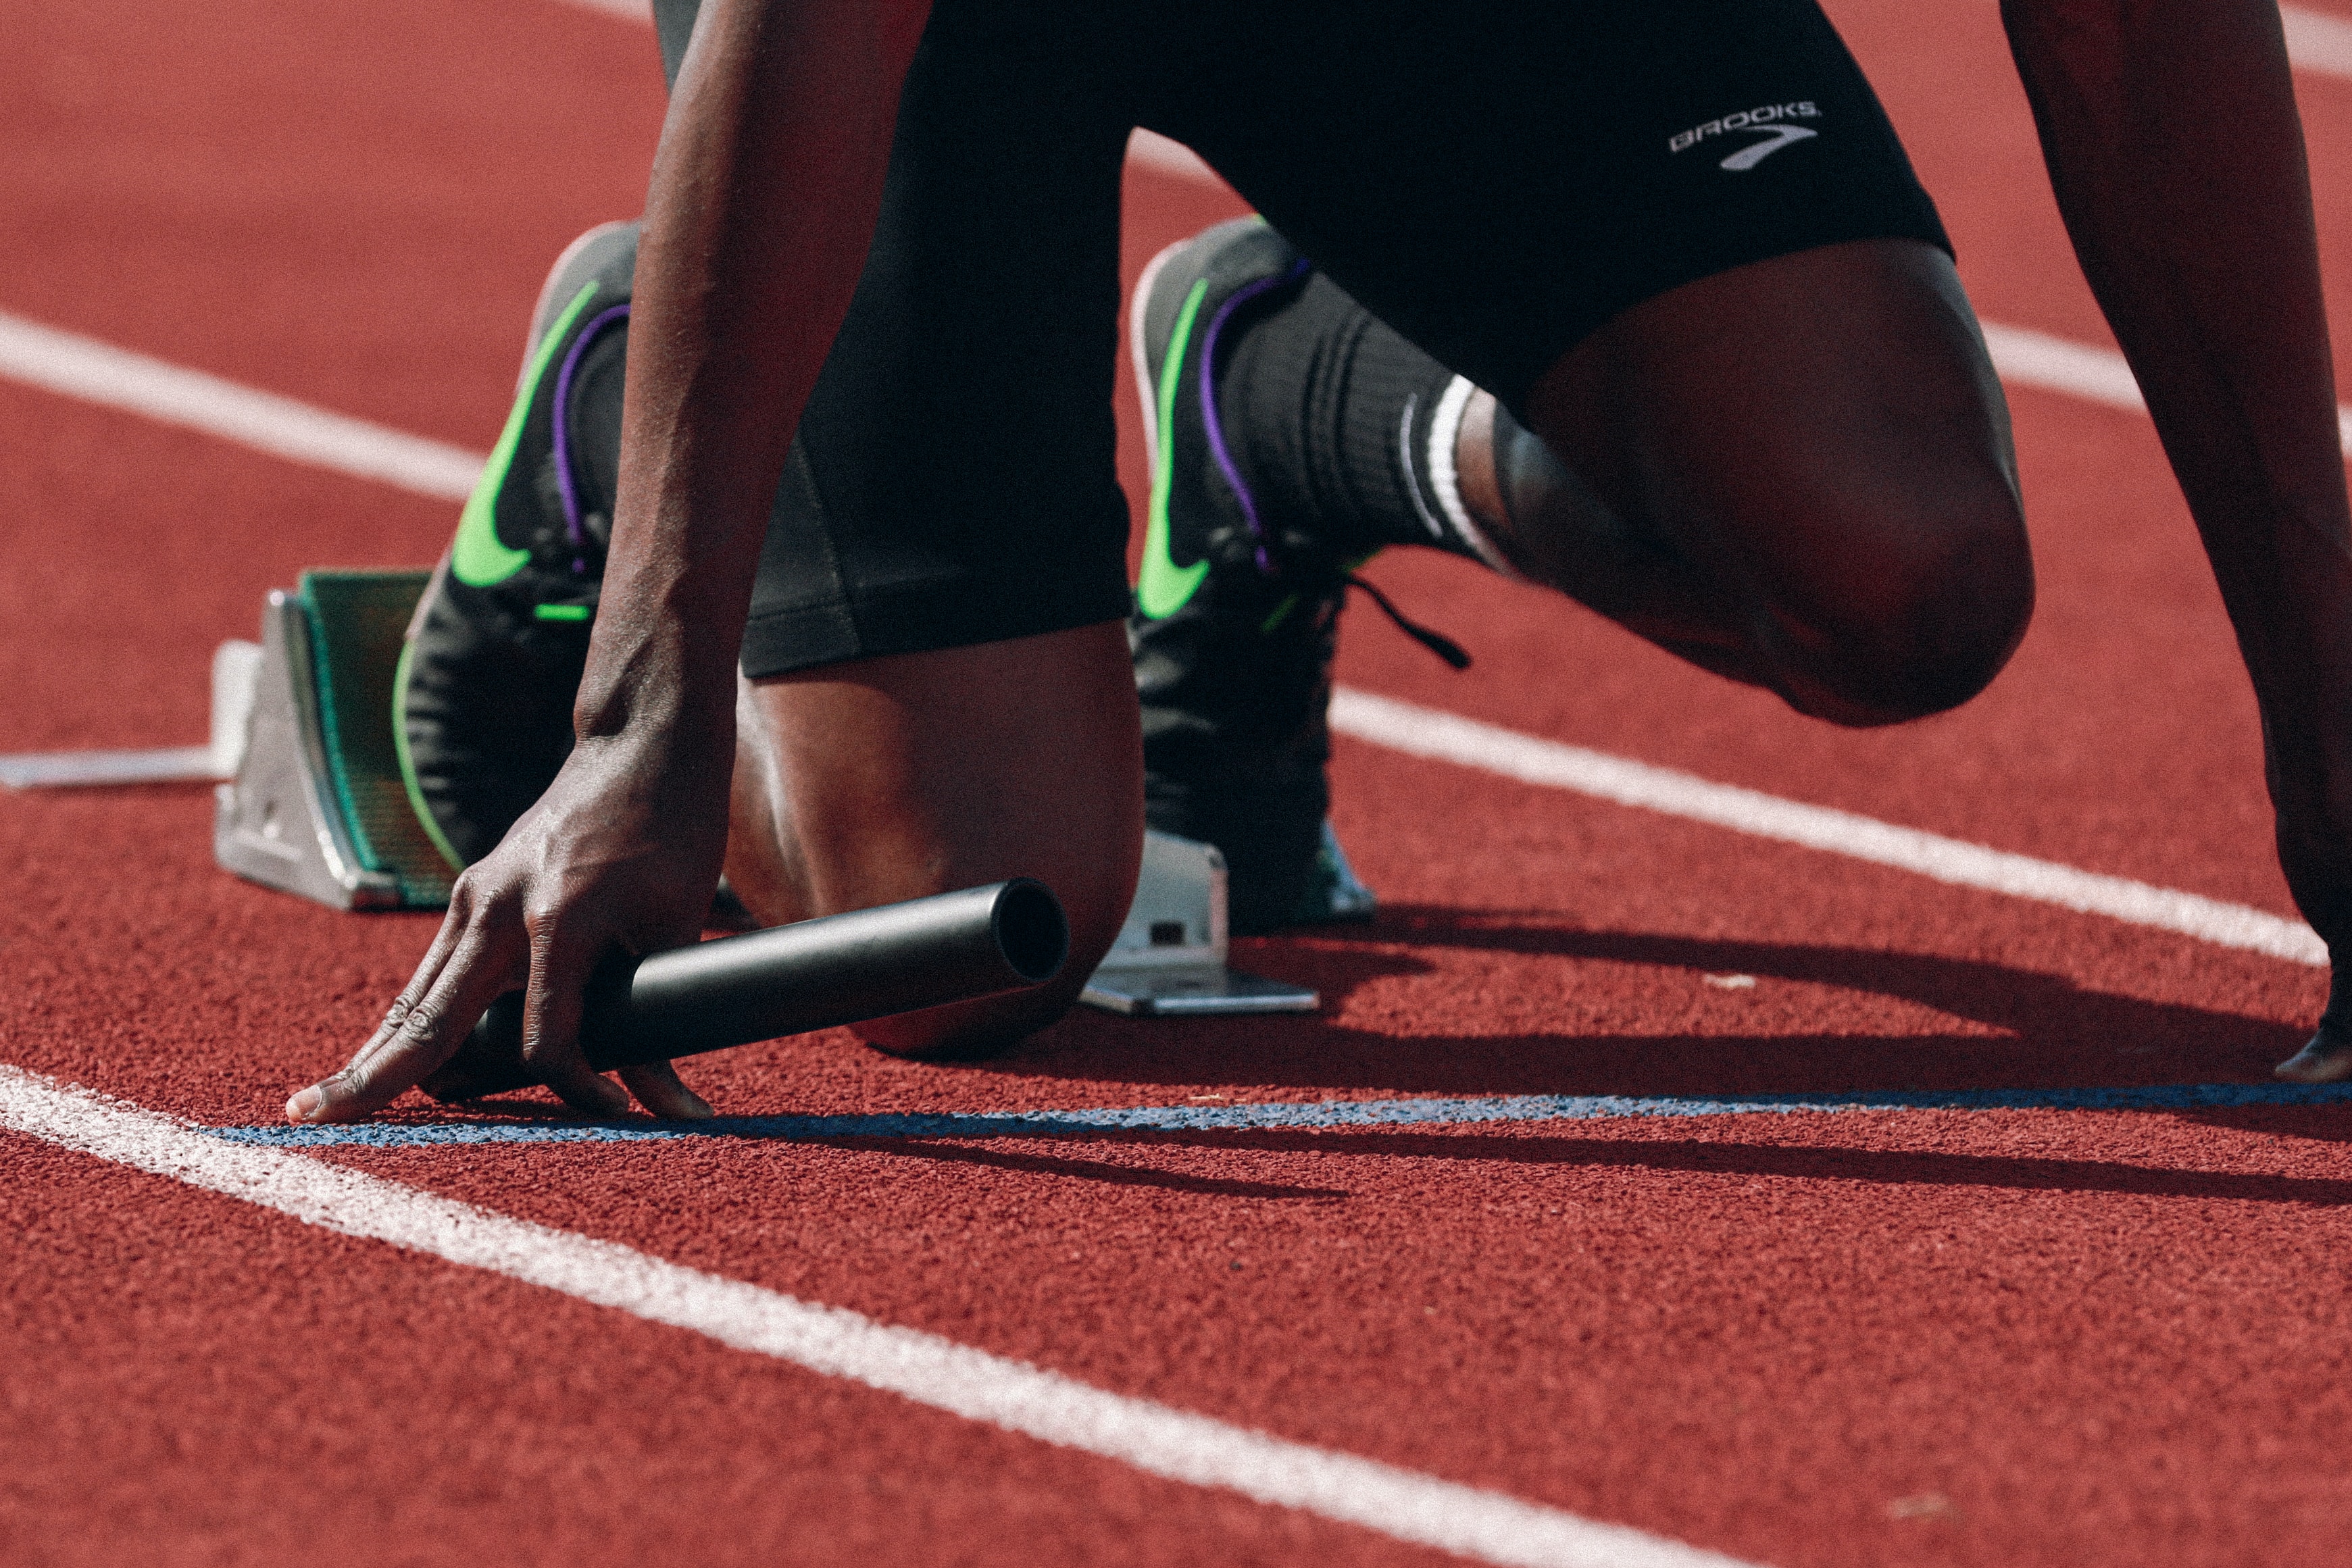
(317, 806)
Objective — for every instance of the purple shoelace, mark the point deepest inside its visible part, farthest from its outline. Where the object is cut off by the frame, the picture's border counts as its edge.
(1216, 426)
(579, 349)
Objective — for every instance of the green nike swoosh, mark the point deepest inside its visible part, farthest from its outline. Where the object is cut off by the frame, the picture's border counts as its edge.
(1164, 587)
(478, 558)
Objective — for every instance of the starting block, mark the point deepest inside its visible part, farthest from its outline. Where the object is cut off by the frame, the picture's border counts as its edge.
(315, 804)
(1169, 958)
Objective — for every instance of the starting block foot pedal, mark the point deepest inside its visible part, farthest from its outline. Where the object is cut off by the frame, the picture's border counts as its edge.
(317, 806)
(1169, 958)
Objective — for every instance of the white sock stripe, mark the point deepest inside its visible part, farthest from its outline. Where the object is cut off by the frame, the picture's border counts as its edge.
(924, 1368)
(1444, 429)
(1411, 479)
(1449, 737)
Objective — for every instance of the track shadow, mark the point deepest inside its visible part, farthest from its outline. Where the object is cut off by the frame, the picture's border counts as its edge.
(1804, 1162)
(1085, 1170)
(1811, 1161)
(2322, 1124)
(2044, 1032)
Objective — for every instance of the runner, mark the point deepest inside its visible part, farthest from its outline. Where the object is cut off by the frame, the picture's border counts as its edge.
(1644, 303)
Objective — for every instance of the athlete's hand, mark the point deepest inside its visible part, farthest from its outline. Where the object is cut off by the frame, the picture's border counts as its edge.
(2317, 855)
(621, 855)
(2307, 756)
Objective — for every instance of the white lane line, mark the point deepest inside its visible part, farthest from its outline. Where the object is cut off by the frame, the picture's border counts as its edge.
(237, 666)
(76, 366)
(84, 368)
(2026, 358)
(1166, 155)
(626, 10)
(1156, 1439)
(80, 769)
(2317, 43)
(1449, 737)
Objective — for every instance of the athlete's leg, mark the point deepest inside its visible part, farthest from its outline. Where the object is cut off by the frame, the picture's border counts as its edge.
(936, 689)
(1765, 433)
(886, 778)
(1796, 473)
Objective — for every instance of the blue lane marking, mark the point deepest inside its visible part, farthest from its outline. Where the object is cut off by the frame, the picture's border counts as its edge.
(1322, 1113)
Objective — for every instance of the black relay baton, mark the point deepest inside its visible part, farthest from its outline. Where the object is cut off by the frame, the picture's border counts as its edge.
(788, 979)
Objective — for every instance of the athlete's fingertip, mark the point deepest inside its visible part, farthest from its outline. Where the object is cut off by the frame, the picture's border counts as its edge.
(682, 1104)
(305, 1104)
(663, 1094)
(593, 1094)
(2321, 1062)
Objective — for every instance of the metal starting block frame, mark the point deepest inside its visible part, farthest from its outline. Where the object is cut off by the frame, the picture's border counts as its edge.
(1169, 958)
(316, 806)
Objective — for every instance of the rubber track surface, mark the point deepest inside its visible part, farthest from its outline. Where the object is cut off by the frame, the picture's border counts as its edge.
(1998, 1336)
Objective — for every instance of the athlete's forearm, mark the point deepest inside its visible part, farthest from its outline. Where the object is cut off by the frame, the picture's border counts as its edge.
(2171, 135)
(2172, 139)
(761, 207)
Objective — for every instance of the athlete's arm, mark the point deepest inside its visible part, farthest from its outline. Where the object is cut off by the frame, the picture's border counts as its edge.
(762, 204)
(2171, 136)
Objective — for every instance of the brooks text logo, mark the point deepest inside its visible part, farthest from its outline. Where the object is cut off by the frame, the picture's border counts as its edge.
(1775, 120)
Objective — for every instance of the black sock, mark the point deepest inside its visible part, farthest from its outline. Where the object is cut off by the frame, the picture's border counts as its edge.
(1331, 414)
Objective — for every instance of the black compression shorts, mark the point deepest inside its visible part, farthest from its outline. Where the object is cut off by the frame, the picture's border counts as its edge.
(1495, 181)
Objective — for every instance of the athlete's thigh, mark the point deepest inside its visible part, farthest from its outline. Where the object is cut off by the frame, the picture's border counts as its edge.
(954, 481)
(1682, 244)
(1497, 182)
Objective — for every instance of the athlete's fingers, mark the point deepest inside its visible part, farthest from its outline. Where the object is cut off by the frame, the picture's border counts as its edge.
(416, 1037)
(551, 1006)
(453, 927)
(2326, 1060)
(663, 1094)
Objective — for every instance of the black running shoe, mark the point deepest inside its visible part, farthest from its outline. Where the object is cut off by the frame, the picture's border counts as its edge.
(1236, 611)
(482, 702)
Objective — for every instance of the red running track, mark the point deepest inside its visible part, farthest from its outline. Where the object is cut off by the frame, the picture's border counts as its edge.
(2017, 1337)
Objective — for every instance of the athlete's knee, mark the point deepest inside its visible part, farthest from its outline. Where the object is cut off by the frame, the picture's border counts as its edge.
(971, 1030)
(992, 1025)
(1922, 625)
